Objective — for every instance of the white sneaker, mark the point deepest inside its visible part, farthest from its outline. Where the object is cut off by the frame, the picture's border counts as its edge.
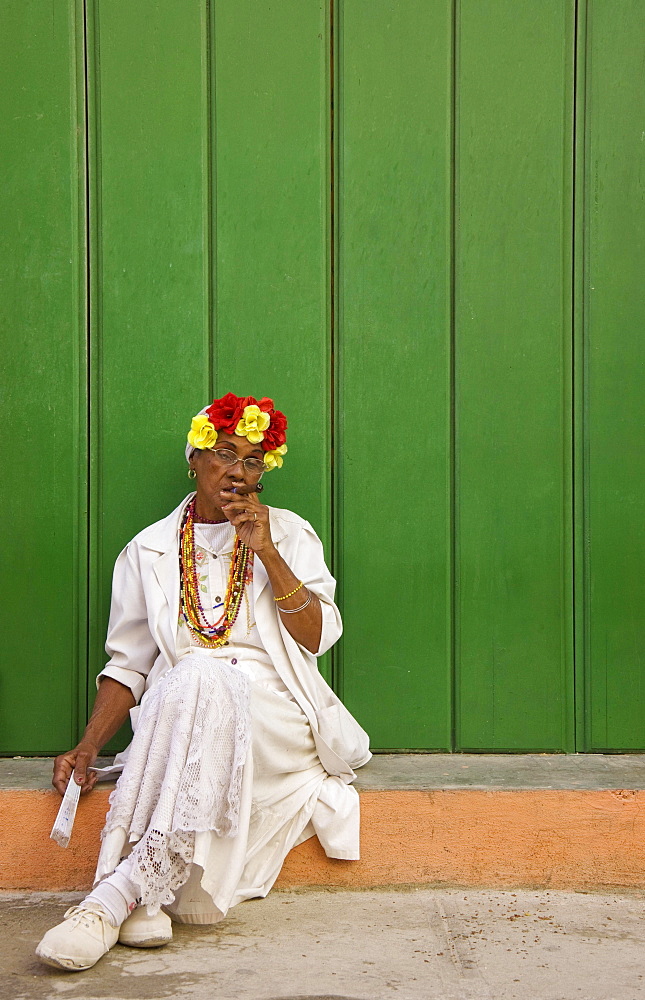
(142, 931)
(84, 936)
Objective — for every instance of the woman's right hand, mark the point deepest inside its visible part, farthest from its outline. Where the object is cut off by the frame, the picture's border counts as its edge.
(113, 702)
(76, 762)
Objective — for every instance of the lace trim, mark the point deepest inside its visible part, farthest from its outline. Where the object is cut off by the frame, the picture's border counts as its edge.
(184, 771)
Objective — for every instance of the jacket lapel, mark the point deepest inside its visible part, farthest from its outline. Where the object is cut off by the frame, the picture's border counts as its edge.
(161, 541)
(166, 570)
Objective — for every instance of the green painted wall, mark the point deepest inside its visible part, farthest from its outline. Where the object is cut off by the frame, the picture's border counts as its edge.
(420, 227)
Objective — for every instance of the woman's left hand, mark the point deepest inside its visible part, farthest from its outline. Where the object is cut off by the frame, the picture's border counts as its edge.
(250, 518)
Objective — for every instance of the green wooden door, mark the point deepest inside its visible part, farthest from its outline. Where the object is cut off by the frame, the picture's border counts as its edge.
(209, 176)
(512, 399)
(610, 351)
(43, 656)
(420, 228)
(393, 142)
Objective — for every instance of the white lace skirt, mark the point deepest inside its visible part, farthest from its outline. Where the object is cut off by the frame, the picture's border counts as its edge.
(221, 781)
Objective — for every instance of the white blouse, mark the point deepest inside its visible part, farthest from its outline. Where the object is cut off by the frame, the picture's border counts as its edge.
(244, 648)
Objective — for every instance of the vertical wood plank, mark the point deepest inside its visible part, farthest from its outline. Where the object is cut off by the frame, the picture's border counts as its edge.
(393, 359)
(581, 680)
(271, 211)
(42, 317)
(150, 351)
(614, 376)
(513, 375)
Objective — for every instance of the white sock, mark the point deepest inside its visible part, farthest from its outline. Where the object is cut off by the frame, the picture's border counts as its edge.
(116, 894)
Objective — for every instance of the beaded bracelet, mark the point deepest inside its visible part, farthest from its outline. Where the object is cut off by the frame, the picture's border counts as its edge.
(292, 611)
(290, 594)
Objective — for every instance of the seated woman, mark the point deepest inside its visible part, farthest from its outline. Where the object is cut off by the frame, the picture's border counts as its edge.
(240, 748)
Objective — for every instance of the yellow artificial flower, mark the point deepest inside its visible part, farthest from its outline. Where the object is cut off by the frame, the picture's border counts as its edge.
(253, 424)
(202, 434)
(273, 459)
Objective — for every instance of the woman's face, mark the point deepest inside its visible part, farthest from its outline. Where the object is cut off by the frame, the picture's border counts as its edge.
(213, 475)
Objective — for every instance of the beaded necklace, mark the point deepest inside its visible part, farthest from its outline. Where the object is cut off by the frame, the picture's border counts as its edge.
(192, 611)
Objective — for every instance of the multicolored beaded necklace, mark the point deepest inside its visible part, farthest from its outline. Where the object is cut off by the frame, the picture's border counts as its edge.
(192, 611)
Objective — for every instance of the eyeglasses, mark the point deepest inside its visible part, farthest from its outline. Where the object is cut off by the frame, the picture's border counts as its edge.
(254, 466)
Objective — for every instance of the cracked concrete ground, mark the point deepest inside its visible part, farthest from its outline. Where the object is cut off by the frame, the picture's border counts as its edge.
(404, 944)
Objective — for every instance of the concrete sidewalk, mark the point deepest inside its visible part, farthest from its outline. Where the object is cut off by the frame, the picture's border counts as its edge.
(414, 944)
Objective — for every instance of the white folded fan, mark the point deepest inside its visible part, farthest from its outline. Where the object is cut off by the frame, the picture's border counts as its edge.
(62, 828)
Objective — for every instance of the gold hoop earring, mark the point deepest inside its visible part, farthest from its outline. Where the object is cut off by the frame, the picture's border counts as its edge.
(192, 474)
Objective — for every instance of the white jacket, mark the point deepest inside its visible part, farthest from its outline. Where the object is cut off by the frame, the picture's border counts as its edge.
(145, 609)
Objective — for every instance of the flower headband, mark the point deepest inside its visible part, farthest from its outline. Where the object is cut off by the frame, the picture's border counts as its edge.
(256, 420)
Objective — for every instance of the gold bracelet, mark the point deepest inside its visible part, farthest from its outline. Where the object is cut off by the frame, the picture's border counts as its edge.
(290, 594)
(286, 611)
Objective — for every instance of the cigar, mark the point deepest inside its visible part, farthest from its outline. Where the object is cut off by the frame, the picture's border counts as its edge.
(243, 490)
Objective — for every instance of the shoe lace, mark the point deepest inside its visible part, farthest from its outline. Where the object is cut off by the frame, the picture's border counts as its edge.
(86, 916)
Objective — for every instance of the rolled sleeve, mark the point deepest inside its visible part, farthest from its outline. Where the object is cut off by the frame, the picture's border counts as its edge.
(130, 644)
(311, 568)
(332, 627)
(129, 678)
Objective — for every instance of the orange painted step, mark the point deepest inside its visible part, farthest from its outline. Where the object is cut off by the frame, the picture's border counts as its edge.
(570, 837)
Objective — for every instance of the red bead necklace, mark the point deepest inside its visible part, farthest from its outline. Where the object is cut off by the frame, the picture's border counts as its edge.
(198, 519)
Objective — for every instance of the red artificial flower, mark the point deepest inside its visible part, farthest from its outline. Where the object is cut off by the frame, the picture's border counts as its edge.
(247, 401)
(275, 434)
(225, 413)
